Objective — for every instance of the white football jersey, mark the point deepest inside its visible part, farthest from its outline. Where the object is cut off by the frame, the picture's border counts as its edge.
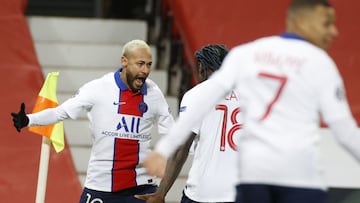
(284, 83)
(120, 124)
(213, 171)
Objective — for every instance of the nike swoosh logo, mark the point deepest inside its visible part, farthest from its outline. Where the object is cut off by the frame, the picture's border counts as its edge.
(119, 103)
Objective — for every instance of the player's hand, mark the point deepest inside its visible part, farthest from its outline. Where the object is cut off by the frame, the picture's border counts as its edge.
(151, 198)
(20, 119)
(155, 164)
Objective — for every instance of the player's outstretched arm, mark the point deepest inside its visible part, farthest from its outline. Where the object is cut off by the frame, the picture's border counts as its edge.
(172, 171)
(347, 133)
(20, 119)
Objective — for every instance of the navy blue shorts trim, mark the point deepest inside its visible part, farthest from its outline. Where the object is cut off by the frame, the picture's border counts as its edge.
(186, 199)
(123, 196)
(262, 193)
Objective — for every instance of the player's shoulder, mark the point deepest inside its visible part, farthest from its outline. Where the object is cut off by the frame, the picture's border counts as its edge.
(247, 48)
(193, 92)
(152, 86)
(315, 55)
(296, 46)
(256, 42)
(97, 82)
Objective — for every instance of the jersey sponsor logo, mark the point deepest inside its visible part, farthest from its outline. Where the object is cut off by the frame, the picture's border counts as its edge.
(143, 107)
(128, 127)
(132, 136)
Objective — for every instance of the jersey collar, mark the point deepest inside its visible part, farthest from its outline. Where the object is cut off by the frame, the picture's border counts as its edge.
(292, 36)
(122, 85)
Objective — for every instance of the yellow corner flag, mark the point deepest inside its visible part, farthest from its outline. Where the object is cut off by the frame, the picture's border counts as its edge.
(47, 99)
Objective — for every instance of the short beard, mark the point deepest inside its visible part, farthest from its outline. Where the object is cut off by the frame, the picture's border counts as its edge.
(130, 80)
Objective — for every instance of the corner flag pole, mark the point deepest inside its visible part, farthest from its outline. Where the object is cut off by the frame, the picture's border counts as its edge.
(43, 170)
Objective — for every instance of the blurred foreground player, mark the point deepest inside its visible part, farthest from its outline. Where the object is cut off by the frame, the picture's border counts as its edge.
(283, 82)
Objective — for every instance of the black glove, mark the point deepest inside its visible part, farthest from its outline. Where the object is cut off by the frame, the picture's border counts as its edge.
(20, 119)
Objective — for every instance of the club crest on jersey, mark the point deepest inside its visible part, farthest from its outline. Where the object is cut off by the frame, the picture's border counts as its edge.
(143, 107)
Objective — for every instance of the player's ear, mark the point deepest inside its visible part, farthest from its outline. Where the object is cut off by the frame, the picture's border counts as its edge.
(124, 61)
(209, 72)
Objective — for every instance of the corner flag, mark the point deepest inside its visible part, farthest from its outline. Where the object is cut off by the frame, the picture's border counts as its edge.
(47, 99)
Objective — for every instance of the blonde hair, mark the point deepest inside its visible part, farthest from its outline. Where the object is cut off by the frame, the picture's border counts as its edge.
(137, 43)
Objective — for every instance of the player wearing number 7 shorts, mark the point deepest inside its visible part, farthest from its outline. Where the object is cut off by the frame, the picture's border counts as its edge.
(283, 83)
(212, 177)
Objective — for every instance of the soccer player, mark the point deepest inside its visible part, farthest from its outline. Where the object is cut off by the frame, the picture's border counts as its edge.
(211, 177)
(122, 108)
(283, 82)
